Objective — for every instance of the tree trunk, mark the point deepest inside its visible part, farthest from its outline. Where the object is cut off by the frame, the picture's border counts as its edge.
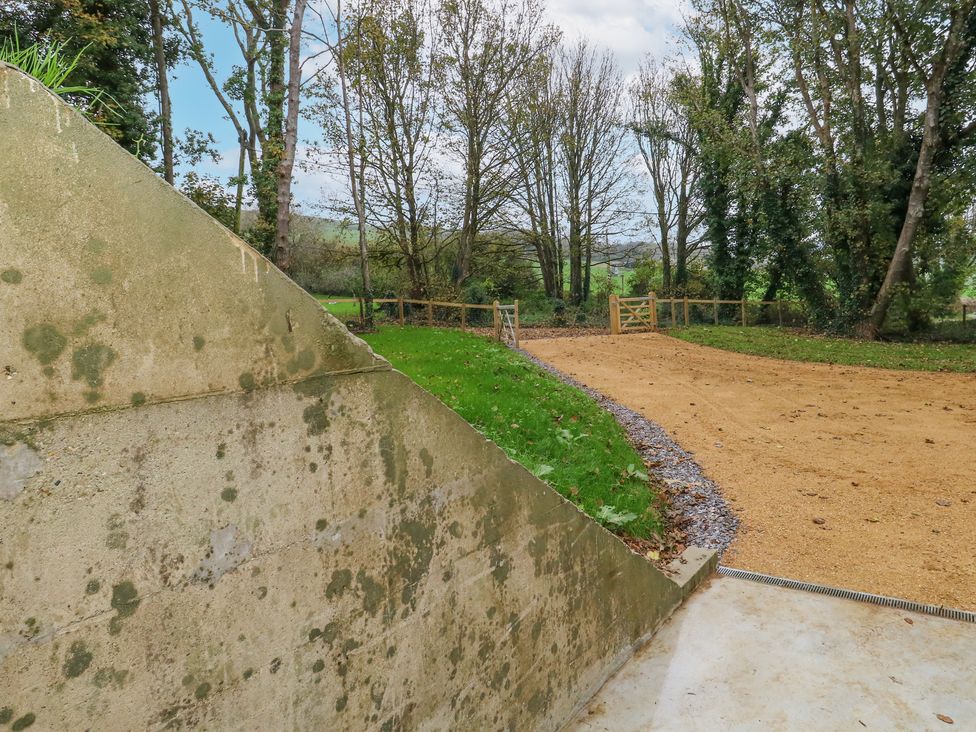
(354, 181)
(899, 267)
(287, 164)
(162, 87)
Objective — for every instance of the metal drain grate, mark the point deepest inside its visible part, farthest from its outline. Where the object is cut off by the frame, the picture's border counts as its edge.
(917, 607)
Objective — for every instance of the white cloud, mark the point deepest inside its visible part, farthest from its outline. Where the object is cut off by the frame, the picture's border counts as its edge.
(629, 28)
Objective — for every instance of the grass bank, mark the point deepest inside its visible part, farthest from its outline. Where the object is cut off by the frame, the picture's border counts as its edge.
(554, 430)
(795, 346)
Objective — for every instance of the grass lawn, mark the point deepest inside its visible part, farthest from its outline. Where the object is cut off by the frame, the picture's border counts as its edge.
(789, 344)
(342, 310)
(554, 430)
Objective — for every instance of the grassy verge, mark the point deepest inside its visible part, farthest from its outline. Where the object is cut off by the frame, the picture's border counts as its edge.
(554, 430)
(794, 346)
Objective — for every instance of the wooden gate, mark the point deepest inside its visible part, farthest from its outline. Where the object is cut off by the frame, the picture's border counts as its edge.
(628, 314)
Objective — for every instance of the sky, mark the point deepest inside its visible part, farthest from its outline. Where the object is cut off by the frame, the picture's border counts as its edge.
(630, 28)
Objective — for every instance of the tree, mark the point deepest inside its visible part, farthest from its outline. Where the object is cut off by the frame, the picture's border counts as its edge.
(942, 60)
(240, 95)
(592, 146)
(118, 57)
(488, 45)
(162, 89)
(532, 132)
(286, 163)
(355, 155)
(666, 139)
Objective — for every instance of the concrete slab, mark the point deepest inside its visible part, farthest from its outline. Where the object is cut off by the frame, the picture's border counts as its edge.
(739, 655)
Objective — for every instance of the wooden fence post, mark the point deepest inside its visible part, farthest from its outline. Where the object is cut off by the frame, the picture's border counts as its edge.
(464, 316)
(517, 332)
(400, 309)
(614, 314)
(743, 311)
(686, 311)
(674, 317)
(430, 312)
(779, 311)
(715, 309)
(652, 304)
(496, 320)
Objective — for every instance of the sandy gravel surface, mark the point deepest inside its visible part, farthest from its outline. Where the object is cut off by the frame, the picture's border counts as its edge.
(847, 476)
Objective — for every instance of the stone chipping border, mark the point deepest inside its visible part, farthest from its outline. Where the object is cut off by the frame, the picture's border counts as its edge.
(696, 503)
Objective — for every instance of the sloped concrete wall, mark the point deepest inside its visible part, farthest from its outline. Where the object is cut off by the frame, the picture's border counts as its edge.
(321, 545)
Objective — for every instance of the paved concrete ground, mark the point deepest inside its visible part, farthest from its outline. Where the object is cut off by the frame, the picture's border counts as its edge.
(740, 655)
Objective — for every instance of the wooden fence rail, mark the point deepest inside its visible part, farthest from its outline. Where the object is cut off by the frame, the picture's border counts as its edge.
(502, 315)
(629, 314)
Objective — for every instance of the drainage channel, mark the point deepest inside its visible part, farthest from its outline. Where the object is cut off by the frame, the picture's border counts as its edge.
(966, 616)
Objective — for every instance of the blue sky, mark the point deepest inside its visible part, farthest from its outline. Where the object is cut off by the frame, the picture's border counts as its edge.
(631, 28)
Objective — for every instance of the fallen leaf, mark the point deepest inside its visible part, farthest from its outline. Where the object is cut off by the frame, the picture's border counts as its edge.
(653, 555)
(819, 521)
(943, 502)
(944, 718)
(909, 621)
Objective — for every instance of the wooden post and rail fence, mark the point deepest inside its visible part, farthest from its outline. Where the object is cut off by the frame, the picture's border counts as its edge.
(628, 314)
(505, 318)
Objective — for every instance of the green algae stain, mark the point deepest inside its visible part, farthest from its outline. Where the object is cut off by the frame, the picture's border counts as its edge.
(92, 587)
(330, 632)
(92, 396)
(101, 276)
(247, 381)
(316, 417)
(125, 601)
(12, 276)
(117, 537)
(89, 363)
(78, 660)
(44, 341)
(229, 494)
(318, 665)
(304, 361)
(373, 592)
(202, 690)
(86, 323)
(6, 714)
(138, 398)
(341, 703)
(24, 722)
(321, 524)
(428, 460)
(341, 581)
(106, 676)
(389, 458)
(198, 343)
(221, 450)
(248, 673)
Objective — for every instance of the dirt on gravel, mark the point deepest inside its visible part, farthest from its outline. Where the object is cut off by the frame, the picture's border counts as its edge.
(852, 477)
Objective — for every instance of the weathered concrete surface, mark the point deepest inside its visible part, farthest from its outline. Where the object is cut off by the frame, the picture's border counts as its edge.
(220, 510)
(745, 656)
(114, 289)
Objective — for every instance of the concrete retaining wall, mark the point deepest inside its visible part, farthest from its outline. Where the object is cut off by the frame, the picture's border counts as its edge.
(219, 509)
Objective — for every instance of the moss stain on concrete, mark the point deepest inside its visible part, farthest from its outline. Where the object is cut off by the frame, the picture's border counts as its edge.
(340, 582)
(78, 660)
(101, 276)
(45, 342)
(125, 601)
(90, 362)
(12, 276)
